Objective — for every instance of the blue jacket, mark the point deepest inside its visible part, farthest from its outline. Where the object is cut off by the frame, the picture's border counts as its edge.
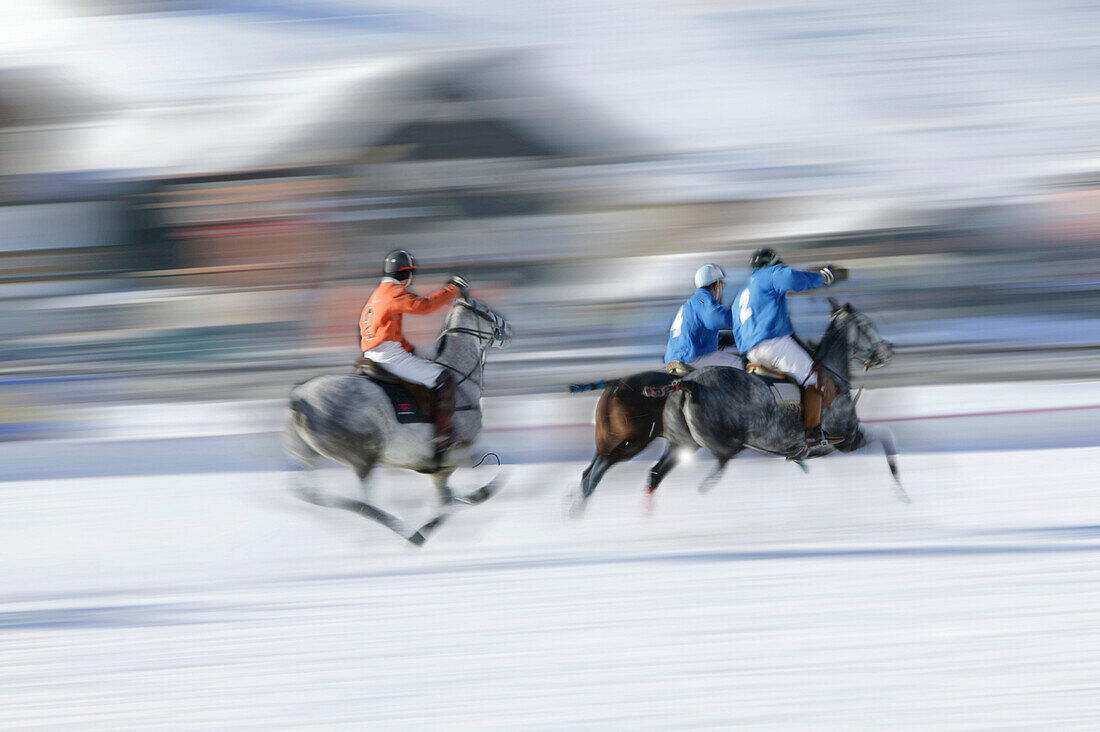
(760, 310)
(694, 332)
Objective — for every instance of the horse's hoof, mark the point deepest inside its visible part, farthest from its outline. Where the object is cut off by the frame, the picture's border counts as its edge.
(575, 504)
(309, 495)
(417, 539)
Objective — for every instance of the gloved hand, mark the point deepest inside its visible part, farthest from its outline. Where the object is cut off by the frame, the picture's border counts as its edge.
(726, 339)
(832, 273)
(462, 285)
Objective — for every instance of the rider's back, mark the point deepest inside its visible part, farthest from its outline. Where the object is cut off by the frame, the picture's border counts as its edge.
(694, 332)
(761, 308)
(381, 318)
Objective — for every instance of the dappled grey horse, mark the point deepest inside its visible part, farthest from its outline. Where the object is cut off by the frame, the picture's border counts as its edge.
(350, 419)
(726, 410)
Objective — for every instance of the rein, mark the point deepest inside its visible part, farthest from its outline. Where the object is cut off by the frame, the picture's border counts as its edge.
(485, 339)
(827, 342)
(843, 383)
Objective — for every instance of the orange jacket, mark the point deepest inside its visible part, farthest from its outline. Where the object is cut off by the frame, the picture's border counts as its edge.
(381, 318)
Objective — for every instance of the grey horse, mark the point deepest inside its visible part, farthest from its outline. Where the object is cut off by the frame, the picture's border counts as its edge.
(726, 410)
(351, 420)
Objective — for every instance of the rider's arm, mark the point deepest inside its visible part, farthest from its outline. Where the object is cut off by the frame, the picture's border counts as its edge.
(785, 279)
(714, 316)
(407, 302)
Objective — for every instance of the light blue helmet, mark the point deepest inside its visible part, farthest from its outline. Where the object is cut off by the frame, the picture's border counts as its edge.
(708, 274)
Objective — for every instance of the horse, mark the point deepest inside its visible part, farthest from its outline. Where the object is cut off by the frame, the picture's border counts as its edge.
(350, 419)
(726, 410)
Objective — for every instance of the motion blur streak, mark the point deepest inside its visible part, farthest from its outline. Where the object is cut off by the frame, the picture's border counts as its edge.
(195, 200)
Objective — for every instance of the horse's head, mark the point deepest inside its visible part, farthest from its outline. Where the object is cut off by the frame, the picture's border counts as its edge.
(867, 346)
(474, 318)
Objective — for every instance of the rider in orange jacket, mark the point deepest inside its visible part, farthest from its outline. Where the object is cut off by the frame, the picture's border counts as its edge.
(384, 342)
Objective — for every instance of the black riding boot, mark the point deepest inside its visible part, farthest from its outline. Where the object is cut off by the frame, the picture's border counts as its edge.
(813, 396)
(443, 410)
(811, 415)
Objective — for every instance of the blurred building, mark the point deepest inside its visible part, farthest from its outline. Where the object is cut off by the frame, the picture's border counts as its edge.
(254, 233)
(227, 235)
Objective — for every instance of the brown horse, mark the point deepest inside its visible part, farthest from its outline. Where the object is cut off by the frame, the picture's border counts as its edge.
(627, 421)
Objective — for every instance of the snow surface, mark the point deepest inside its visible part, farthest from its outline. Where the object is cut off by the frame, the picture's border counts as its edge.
(777, 601)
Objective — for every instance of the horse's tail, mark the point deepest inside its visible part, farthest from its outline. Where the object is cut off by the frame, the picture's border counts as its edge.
(298, 426)
(662, 391)
(592, 386)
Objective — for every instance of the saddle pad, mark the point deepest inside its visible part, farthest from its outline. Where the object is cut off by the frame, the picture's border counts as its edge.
(404, 406)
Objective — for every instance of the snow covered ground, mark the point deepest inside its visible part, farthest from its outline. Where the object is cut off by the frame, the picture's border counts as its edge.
(777, 601)
(245, 435)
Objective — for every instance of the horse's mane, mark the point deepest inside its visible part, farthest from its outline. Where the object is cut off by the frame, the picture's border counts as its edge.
(831, 334)
(464, 302)
(836, 331)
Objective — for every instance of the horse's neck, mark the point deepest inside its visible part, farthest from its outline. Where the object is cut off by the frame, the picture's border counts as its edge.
(834, 352)
(461, 354)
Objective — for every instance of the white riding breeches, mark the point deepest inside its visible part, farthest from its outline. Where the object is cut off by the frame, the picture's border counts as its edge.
(718, 358)
(400, 362)
(784, 354)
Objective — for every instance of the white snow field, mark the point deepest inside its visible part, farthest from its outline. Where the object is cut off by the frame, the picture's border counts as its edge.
(777, 601)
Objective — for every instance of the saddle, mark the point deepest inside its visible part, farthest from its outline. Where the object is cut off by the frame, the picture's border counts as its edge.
(766, 372)
(411, 402)
(678, 368)
(773, 378)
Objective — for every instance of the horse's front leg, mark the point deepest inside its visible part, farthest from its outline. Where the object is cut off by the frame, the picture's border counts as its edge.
(446, 499)
(439, 480)
(885, 438)
(715, 475)
(363, 508)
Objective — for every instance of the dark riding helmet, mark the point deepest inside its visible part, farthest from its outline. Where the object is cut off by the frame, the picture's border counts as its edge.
(765, 257)
(399, 264)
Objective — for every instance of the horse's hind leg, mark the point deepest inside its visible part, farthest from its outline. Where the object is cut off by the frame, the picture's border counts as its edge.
(305, 457)
(669, 458)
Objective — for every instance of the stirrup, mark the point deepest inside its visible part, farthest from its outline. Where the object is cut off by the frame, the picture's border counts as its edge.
(823, 439)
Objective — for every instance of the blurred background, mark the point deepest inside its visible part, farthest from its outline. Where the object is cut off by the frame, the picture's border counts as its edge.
(197, 194)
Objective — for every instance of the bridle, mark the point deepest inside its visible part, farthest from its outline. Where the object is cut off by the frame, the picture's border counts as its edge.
(867, 356)
(486, 338)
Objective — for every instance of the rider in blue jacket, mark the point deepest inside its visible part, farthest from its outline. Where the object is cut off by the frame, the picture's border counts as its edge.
(764, 332)
(693, 337)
